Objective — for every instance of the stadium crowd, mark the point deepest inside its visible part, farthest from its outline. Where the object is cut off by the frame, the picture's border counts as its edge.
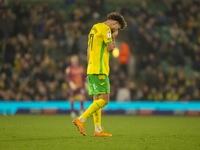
(168, 48)
(37, 41)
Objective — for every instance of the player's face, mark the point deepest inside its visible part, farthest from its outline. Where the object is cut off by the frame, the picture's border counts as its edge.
(74, 60)
(115, 27)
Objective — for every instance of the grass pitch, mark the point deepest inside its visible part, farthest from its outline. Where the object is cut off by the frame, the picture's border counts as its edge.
(45, 132)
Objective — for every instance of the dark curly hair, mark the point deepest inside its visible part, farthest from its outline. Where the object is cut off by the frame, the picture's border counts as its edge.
(117, 17)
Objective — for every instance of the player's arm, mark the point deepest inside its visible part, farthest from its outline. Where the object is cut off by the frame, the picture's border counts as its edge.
(67, 70)
(111, 45)
(72, 85)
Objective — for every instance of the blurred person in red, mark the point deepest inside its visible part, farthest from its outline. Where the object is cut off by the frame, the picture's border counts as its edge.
(75, 75)
(124, 57)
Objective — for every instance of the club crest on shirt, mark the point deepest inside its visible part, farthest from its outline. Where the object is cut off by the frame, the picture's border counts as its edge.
(108, 34)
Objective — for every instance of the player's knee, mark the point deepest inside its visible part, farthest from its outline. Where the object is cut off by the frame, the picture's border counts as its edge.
(71, 99)
(105, 97)
(101, 103)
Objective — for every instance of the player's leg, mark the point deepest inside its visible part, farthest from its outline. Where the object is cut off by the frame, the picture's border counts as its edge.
(97, 116)
(72, 111)
(95, 88)
(95, 106)
(72, 99)
(82, 99)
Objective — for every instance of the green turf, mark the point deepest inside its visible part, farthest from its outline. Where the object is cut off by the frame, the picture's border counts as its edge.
(45, 132)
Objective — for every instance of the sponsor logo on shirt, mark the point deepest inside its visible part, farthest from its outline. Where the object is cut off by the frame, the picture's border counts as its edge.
(109, 34)
(94, 86)
(102, 83)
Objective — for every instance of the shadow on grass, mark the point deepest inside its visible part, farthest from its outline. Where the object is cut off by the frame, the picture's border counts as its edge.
(57, 138)
(41, 139)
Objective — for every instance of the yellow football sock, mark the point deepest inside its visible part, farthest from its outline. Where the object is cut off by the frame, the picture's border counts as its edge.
(97, 117)
(96, 105)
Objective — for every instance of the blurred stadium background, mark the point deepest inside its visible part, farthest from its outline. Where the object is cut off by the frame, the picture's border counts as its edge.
(157, 59)
(154, 71)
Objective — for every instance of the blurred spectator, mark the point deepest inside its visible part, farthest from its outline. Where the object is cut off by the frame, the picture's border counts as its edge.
(172, 95)
(5, 70)
(161, 19)
(126, 11)
(123, 92)
(124, 57)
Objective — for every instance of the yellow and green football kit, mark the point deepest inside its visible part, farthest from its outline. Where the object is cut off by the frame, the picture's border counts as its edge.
(98, 84)
(98, 63)
(97, 71)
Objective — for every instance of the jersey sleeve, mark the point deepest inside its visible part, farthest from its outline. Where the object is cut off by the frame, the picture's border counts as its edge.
(68, 74)
(107, 36)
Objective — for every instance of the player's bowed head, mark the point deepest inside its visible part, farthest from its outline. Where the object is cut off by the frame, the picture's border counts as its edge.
(116, 22)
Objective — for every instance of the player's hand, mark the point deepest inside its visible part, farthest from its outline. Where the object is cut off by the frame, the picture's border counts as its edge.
(86, 78)
(114, 43)
(72, 86)
(114, 34)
